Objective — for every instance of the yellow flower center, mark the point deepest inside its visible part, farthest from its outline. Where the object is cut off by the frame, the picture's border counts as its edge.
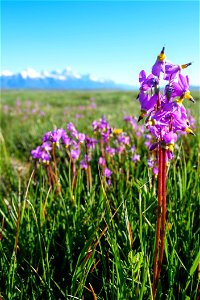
(152, 122)
(171, 147)
(161, 56)
(187, 95)
(179, 101)
(188, 130)
(117, 131)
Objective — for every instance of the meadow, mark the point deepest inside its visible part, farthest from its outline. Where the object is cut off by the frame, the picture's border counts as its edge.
(81, 232)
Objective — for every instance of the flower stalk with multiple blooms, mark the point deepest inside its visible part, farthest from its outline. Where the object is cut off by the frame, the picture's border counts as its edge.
(166, 119)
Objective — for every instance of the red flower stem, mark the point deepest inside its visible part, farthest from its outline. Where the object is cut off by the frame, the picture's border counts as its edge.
(156, 252)
(50, 174)
(88, 171)
(102, 153)
(74, 174)
(164, 177)
(90, 176)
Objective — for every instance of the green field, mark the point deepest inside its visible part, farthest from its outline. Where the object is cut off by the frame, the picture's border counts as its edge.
(91, 240)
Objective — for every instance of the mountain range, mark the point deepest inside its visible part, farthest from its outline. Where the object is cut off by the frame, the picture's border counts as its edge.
(65, 80)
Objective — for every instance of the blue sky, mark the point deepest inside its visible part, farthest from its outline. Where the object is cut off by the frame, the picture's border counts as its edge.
(109, 39)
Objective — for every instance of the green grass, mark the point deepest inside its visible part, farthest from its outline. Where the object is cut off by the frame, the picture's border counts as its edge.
(91, 242)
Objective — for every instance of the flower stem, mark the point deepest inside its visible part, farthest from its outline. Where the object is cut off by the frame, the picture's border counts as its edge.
(164, 177)
(73, 174)
(159, 214)
(55, 169)
(161, 219)
(50, 175)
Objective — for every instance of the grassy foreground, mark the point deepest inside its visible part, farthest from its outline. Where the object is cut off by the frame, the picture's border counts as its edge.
(92, 241)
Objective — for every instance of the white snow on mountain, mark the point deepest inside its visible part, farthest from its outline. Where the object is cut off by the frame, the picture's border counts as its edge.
(56, 79)
(68, 72)
(6, 73)
(31, 73)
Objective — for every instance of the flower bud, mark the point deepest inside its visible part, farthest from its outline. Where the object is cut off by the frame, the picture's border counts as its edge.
(185, 65)
(188, 96)
(188, 130)
(142, 115)
(162, 55)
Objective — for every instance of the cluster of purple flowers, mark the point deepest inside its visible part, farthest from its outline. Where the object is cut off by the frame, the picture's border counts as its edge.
(113, 145)
(71, 139)
(115, 141)
(166, 116)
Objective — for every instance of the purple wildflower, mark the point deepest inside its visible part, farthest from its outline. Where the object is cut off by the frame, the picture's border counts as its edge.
(36, 153)
(102, 161)
(128, 118)
(65, 139)
(56, 135)
(110, 151)
(91, 142)
(147, 83)
(46, 146)
(71, 127)
(155, 171)
(170, 138)
(147, 103)
(75, 153)
(93, 106)
(109, 182)
(120, 149)
(153, 146)
(150, 163)
(84, 164)
(107, 172)
(190, 120)
(124, 139)
(75, 134)
(101, 126)
(106, 135)
(171, 70)
(159, 65)
(135, 158)
(95, 125)
(78, 116)
(45, 157)
(81, 137)
(181, 88)
(133, 149)
(41, 155)
(46, 136)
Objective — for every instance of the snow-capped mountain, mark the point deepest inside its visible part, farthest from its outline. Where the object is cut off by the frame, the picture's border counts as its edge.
(66, 79)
